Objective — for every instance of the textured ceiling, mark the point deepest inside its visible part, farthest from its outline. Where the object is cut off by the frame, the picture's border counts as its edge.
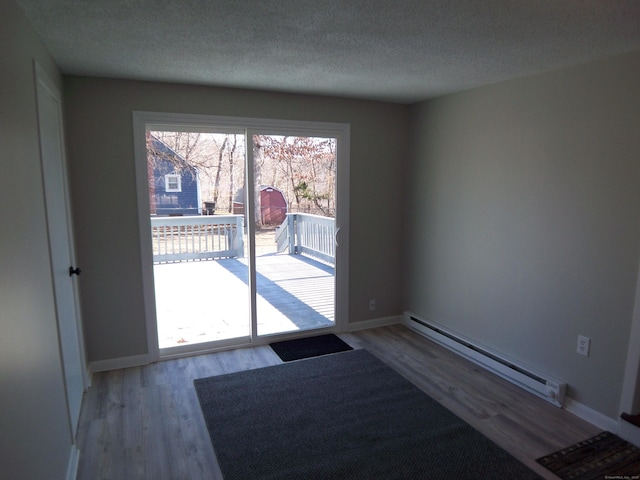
(400, 51)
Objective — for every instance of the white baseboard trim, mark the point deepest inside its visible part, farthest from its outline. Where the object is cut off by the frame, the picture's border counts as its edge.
(145, 359)
(376, 322)
(592, 416)
(74, 460)
(117, 363)
(629, 432)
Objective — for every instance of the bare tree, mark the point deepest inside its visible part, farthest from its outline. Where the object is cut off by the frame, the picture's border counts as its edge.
(303, 168)
(216, 185)
(185, 144)
(232, 154)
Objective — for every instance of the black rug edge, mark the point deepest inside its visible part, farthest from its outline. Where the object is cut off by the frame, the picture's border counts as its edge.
(309, 347)
(545, 460)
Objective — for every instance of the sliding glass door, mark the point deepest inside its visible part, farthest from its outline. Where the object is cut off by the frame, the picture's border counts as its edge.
(294, 179)
(198, 236)
(240, 245)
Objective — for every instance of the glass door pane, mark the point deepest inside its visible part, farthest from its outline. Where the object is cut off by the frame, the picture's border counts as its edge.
(294, 199)
(196, 192)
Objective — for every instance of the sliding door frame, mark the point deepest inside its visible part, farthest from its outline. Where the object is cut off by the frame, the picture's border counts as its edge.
(142, 121)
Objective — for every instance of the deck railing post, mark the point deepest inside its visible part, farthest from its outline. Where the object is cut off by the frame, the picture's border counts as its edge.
(240, 237)
(291, 218)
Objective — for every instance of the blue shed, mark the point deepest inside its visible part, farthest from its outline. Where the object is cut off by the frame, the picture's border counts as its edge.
(173, 183)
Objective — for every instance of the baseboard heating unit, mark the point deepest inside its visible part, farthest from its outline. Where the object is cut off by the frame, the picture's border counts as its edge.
(541, 385)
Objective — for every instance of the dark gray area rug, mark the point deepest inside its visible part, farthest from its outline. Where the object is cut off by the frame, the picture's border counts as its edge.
(299, 348)
(341, 416)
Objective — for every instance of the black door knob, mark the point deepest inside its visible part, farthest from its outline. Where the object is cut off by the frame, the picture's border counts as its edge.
(74, 271)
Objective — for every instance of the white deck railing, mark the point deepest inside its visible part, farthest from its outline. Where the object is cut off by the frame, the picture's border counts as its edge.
(310, 235)
(197, 237)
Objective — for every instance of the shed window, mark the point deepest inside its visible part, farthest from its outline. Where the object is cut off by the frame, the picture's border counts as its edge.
(172, 183)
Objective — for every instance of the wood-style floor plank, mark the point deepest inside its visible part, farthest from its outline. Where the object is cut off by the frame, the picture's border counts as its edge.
(146, 423)
(521, 423)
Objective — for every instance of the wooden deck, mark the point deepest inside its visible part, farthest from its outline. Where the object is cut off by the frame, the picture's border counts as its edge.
(204, 301)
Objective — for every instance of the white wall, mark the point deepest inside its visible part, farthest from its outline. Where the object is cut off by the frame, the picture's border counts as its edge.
(35, 438)
(101, 163)
(524, 210)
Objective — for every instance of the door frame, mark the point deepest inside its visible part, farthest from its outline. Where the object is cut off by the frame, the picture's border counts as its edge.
(143, 120)
(630, 396)
(72, 349)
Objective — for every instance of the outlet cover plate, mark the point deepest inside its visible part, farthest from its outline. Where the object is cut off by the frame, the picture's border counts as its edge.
(584, 345)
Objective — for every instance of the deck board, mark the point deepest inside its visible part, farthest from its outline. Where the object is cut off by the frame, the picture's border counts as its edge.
(206, 301)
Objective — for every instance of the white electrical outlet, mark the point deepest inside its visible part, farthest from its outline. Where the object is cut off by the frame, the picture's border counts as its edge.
(372, 305)
(584, 345)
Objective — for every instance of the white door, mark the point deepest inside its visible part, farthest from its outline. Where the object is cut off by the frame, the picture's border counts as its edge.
(58, 228)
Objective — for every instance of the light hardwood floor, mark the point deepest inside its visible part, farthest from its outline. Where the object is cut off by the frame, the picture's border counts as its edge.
(146, 423)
